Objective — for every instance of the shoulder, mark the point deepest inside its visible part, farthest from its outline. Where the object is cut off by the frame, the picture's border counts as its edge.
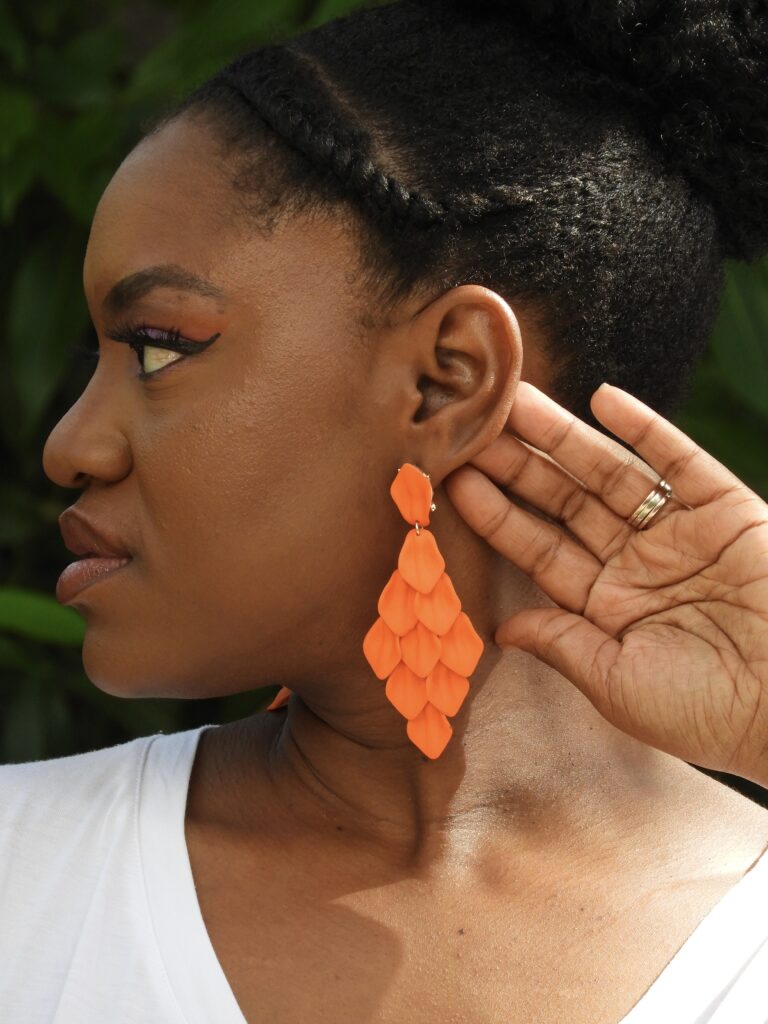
(42, 801)
(67, 858)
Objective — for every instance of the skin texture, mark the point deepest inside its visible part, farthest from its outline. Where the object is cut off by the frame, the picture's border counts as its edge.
(252, 482)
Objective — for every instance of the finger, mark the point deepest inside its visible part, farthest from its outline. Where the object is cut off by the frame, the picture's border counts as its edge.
(568, 643)
(695, 475)
(563, 569)
(543, 483)
(619, 477)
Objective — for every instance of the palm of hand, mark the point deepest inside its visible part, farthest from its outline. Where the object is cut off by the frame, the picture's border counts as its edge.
(685, 676)
(664, 629)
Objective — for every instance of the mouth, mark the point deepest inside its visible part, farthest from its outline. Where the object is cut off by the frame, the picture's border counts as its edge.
(86, 572)
(87, 539)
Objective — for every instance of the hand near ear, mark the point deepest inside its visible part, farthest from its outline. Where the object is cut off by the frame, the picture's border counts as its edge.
(664, 628)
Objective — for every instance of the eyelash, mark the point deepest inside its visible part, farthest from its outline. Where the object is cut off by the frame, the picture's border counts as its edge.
(136, 336)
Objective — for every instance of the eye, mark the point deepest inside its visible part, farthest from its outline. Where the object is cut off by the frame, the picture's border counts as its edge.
(155, 356)
(158, 347)
(158, 356)
(163, 357)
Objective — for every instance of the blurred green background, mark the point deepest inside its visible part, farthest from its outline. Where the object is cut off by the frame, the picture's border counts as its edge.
(77, 83)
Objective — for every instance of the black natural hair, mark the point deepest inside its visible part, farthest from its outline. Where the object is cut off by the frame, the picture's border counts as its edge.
(593, 162)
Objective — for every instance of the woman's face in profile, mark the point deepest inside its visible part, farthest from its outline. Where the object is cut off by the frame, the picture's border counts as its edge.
(248, 479)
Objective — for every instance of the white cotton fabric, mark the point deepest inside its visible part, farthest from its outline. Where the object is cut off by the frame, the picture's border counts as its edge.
(99, 918)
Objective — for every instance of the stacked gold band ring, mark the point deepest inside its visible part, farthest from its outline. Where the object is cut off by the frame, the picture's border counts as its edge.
(650, 505)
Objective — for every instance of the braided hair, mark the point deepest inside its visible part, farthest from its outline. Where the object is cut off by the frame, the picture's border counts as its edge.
(594, 162)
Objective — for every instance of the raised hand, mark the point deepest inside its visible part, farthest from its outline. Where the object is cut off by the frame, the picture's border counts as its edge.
(663, 628)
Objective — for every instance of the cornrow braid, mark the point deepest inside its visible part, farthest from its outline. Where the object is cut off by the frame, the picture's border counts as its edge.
(273, 85)
(593, 163)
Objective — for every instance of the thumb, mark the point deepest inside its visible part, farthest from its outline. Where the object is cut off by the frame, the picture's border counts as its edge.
(568, 643)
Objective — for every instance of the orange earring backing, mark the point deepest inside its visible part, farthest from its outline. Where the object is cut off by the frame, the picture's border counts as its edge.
(422, 643)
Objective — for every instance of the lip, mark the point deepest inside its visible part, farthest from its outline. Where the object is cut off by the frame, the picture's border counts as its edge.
(103, 553)
(84, 537)
(84, 573)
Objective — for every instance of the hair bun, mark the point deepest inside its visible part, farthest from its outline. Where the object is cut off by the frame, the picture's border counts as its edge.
(700, 67)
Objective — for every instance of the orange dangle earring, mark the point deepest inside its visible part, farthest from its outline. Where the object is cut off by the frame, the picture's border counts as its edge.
(422, 643)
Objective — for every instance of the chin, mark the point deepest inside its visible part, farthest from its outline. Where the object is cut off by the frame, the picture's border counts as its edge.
(126, 671)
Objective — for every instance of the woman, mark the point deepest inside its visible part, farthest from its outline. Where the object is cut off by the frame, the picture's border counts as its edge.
(419, 236)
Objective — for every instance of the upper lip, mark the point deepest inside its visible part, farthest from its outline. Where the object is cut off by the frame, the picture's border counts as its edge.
(82, 537)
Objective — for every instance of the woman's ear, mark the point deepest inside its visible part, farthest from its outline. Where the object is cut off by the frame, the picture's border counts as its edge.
(467, 355)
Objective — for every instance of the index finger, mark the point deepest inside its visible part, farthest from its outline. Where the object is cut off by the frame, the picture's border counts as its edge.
(609, 469)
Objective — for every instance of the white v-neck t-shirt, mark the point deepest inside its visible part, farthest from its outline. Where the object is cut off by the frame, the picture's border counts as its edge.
(100, 922)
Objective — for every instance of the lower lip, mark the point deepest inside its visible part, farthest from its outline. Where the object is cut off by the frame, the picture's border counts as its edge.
(82, 573)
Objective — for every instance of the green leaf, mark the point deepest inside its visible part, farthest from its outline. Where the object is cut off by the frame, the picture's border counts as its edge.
(326, 10)
(79, 72)
(39, 616)
(19, 516)
(17, 175)
(13, 656)
(207, 39)
(726, 427)
(19, 117)
(740, 339)
(78, 156)
(23, 724)
(13, 46)
(47, 312)
(46, 16)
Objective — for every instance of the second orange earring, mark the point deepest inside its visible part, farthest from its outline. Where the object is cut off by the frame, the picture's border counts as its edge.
(422, 643)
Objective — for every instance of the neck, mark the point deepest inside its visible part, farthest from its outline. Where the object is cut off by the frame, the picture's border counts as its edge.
(531, 763)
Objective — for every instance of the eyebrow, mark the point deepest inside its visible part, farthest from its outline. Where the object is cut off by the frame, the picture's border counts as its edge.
(128, 290)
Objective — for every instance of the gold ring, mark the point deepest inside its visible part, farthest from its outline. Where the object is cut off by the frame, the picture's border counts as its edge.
(650, 505)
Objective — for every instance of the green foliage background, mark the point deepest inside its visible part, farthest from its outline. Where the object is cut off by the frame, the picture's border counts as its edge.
(77, 81)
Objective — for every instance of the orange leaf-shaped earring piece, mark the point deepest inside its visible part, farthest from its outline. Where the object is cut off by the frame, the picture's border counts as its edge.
(446, 689)
(420, 562)
(382, 648)
(422, 642)
(430, 730)
(412, 493)
(438, 609)
(461, 647)
(282, 697)
(397, 604)
(407, 691)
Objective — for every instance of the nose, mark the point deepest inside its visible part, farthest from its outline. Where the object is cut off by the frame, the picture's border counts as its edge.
(88, 443)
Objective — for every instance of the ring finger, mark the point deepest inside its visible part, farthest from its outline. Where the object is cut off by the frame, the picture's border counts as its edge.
(539, 480)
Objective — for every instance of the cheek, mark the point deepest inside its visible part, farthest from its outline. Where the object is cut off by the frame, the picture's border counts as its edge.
(263, 522)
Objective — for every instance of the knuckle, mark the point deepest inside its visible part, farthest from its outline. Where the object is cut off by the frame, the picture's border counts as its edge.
(575, 500)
